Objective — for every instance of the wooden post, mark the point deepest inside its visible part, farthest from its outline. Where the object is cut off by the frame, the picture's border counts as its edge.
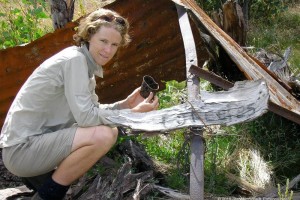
(197, 148)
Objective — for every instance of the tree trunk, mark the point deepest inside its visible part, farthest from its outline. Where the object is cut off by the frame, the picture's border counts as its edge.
(246, 8)
(232, 20)
(62, 12)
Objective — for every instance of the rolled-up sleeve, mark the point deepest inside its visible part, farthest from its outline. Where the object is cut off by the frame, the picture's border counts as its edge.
(80, 98)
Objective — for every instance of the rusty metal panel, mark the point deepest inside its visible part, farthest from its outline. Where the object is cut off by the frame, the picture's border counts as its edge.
(156, 49)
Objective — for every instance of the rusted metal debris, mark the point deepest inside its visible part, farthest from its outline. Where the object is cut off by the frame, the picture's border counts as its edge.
(253, 69)
(157, 49)
(193, 88)
(278, 64)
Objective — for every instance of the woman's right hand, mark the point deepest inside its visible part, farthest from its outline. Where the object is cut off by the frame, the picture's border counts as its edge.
(149, 104)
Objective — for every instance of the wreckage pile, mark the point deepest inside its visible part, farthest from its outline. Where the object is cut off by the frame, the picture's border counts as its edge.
(278, 64)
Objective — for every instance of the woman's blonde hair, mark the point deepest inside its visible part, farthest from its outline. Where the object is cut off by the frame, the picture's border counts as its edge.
(101, 17)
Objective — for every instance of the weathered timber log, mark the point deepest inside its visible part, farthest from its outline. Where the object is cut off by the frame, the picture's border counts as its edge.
(231, 20)
(137, 154)
(243, 102)
(114, 187)
(116, 182)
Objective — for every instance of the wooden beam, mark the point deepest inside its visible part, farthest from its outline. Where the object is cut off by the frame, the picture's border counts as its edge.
(219, 81)
(211, 77)
(224, 108)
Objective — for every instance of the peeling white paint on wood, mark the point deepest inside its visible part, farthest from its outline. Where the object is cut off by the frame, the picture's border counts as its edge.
(245, 101)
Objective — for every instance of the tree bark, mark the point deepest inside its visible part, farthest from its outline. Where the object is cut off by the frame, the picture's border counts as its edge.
(62, 12)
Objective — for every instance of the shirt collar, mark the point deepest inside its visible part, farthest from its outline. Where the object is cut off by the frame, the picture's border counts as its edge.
(94, 68)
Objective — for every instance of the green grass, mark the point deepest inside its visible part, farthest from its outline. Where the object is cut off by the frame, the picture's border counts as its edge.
(278, 137)
(164, 150)
(218, 151)
(173, 150)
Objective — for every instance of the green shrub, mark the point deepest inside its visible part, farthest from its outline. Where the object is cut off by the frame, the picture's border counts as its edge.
(267, 9)
(21, 22)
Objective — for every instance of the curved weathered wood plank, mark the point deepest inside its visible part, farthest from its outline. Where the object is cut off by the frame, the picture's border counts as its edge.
(243, 102)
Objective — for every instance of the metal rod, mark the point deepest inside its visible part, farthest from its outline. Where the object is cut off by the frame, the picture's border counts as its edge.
(197, 148)
(197, 168)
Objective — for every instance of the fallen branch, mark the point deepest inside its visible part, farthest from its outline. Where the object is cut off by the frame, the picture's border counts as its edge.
(15, 192)
(141, 190)
(171, 193)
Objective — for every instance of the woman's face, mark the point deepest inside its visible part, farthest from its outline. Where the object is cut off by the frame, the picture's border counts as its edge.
(104, 44)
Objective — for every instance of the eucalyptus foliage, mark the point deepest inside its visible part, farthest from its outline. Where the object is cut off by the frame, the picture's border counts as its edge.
(21, 21)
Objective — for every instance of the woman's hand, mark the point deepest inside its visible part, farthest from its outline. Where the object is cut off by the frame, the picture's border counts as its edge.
(148, 104)
(134, 98)
(137, 103)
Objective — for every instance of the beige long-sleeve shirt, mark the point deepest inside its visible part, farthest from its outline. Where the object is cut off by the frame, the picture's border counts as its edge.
(58, 94)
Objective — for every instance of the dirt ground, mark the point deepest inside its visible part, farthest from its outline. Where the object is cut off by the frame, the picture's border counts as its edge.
(7, 179)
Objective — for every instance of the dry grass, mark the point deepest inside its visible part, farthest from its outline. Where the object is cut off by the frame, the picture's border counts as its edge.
(83, 7)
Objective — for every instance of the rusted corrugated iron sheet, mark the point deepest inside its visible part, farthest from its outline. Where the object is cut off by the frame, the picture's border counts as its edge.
(156, 49)
(252, 69)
